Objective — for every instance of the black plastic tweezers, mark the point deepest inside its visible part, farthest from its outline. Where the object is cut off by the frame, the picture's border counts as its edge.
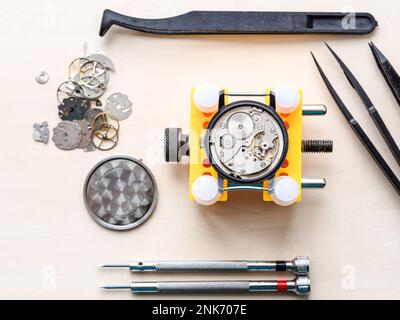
(389, 73)
(245, 22)
(373, 112)
(360, 132)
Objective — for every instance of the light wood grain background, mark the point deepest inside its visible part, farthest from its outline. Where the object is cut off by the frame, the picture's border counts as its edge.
(50, 246)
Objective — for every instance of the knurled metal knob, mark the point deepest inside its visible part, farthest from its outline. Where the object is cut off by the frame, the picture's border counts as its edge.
(176, 144)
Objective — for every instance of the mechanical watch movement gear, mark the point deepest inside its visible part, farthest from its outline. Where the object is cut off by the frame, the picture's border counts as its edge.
(246, 141)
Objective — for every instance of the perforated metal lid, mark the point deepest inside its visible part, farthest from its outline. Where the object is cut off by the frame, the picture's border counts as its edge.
(120, 193)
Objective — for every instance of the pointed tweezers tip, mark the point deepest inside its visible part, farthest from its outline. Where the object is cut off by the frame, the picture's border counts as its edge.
(378, 54)
(316, 61)
(333, 52)
(373, 48)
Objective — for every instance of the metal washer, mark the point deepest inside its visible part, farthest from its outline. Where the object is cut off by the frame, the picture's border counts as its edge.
(120, 193)
(42, 77)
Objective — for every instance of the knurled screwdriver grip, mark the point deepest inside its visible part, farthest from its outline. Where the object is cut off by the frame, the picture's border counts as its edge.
(245, 22)
(299, 266)
(299, 286)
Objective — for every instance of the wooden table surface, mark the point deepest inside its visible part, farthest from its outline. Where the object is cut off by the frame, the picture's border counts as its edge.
(50, 246)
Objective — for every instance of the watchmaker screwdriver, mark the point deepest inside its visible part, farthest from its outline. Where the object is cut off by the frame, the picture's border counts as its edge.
(299, 266)
(299, 286)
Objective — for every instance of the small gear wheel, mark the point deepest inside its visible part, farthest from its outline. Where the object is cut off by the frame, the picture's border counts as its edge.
(119, 106)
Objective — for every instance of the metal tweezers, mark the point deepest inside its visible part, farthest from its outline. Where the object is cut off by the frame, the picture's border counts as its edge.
(356, 126)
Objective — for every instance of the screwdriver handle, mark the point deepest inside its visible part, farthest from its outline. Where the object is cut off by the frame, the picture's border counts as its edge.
(188, 266)
(299, 286)
(299, 266)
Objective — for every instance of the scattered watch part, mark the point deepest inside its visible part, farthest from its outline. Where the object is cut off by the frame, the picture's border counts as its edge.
(89, 50)
(93, 94)
(105, 131)
(119, 106)
(67, 135)
(41, 132)
(105, 134)
(104, 60)
(107, 140)
(104, 118)
(93, 74)
(120, 193)
(88, 77)
(92, 114)
(86, 134)
(75, 66)
(90, 148)
(42, 77)
(69, 89)
(73, 108)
